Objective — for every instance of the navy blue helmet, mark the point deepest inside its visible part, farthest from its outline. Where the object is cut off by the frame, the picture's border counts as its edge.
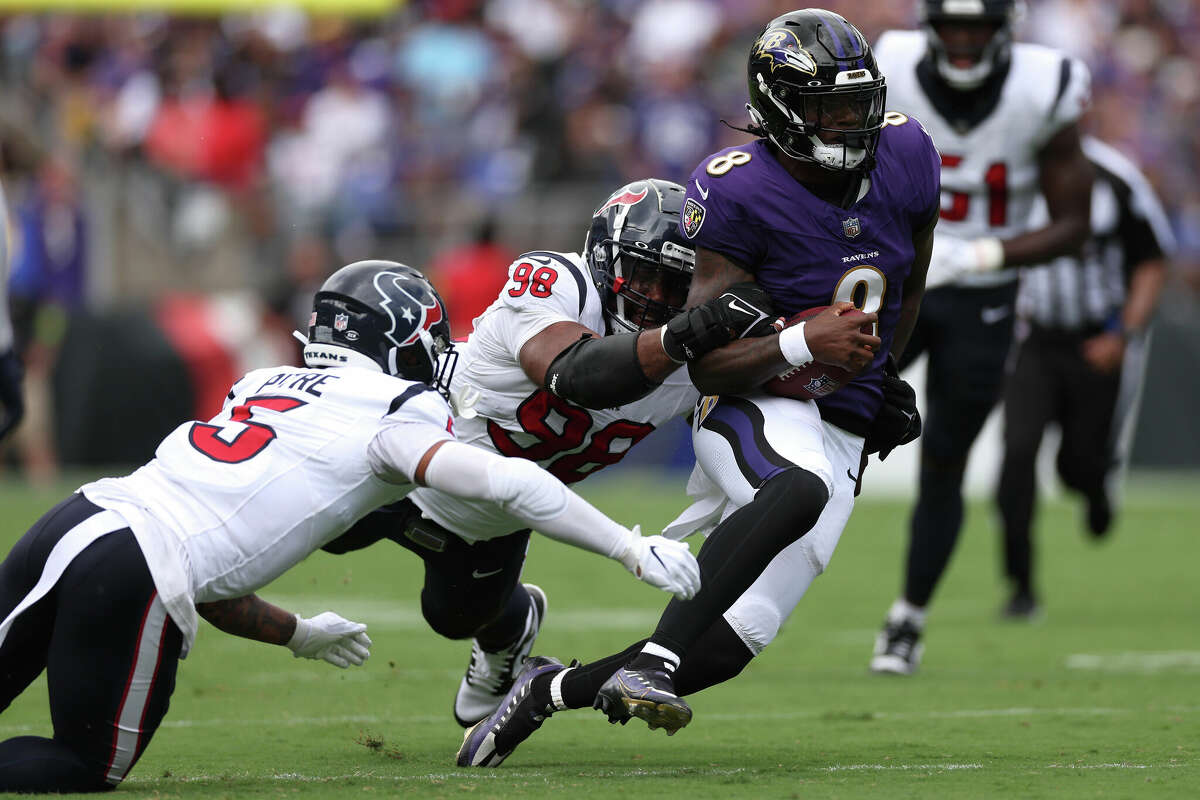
(382, 315)
(639, 260)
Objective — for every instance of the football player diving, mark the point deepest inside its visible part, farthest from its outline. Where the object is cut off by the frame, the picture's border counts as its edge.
(1005, 118)
(577, 360)
(104, 591)
(833, 203)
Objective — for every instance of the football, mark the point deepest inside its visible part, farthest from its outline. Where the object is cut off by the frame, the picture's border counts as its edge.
(814, 380)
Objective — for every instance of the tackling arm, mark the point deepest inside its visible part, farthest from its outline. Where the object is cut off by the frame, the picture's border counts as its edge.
(611, 371)
(399, 452)
(596, 372)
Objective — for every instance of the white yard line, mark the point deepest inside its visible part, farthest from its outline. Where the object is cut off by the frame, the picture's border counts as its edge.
(438, 719)
(1142, 662)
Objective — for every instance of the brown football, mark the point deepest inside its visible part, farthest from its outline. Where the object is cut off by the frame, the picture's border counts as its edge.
(815, 380)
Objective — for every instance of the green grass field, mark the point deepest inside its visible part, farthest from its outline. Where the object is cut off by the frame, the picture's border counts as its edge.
(1101, 698)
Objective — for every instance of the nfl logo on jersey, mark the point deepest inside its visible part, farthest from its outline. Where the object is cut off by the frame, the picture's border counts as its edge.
(340, 321)
(851, 227)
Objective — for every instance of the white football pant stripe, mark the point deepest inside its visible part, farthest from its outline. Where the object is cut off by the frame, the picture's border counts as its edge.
(138, 687)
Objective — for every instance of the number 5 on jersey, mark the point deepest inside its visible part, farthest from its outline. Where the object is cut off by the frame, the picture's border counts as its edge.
(249, 441)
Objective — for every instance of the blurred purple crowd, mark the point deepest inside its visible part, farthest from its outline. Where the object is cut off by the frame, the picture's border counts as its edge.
(315, 139)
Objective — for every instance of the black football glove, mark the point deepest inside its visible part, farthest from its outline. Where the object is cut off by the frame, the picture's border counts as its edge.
(748, 310)
(898, 421)
(742, 310)
(10, 392)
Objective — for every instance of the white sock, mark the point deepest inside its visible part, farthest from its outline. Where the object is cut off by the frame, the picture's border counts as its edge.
(902, 609)
(652, 649)
(556, 698)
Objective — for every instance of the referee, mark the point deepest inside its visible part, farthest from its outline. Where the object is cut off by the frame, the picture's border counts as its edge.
(1079, 359)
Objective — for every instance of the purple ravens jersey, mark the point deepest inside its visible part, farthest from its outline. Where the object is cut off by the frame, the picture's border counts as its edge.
(742, 203)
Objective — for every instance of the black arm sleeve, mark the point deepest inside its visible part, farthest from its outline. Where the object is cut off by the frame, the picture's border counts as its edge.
(600, 372)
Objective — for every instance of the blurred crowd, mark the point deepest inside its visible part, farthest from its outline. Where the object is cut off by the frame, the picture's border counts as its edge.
(145, 153)
(323, 135)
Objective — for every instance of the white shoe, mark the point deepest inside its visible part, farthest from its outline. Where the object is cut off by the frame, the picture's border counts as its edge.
(490, 675)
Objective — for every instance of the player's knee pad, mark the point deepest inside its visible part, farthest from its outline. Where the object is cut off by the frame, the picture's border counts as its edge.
(796, 494)
(460, 619)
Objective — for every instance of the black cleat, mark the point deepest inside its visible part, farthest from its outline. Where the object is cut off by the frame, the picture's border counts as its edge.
(1099, 515)
(1023, 607)
(647, 694)
(898, 648)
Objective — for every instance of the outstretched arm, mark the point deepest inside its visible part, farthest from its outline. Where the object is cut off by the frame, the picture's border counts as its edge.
(406, 452)
(326, 636)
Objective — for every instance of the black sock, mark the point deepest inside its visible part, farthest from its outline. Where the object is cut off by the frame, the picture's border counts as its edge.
(507, 628)
(718, 655)
(740, 548)
(580, 685)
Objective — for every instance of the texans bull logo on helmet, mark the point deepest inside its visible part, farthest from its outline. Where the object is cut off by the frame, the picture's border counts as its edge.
(624, 197)
(402, 299)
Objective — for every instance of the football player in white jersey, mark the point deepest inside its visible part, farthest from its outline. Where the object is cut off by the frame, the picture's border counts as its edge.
(577, 360)
(1004, 116)
(104, 590)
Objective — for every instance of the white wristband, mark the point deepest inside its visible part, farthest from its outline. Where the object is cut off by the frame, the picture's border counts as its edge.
(794, 347)
(989, 254)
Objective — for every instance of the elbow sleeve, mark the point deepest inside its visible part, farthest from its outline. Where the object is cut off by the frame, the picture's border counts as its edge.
(600, 373)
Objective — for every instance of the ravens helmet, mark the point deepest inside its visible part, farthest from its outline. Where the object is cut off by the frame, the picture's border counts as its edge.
(815, 90)
(995, 20)
(637, 256)
(385, 316)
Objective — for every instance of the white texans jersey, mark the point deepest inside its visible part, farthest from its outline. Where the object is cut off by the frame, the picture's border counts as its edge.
(517, 417)
(990, 150)
(280, 472)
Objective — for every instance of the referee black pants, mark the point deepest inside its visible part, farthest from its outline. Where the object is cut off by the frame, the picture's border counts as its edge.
(967, 335)
(1051, 382)
(108, 648)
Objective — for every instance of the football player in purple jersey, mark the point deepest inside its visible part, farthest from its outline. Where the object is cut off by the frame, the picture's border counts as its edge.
(832, 204)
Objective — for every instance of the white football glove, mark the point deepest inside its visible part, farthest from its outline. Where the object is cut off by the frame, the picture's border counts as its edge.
(952, 258)
(331, 638)
(663, 563)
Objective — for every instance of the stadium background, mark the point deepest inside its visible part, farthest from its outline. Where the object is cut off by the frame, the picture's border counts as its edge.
(181, 182)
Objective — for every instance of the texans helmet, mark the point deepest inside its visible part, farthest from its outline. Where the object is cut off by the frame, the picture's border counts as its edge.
(1000, 16)
(385, 316)
(638, 258)
(815, 90)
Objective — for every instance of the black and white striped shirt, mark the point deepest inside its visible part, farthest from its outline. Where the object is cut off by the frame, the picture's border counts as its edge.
(1129, 227)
